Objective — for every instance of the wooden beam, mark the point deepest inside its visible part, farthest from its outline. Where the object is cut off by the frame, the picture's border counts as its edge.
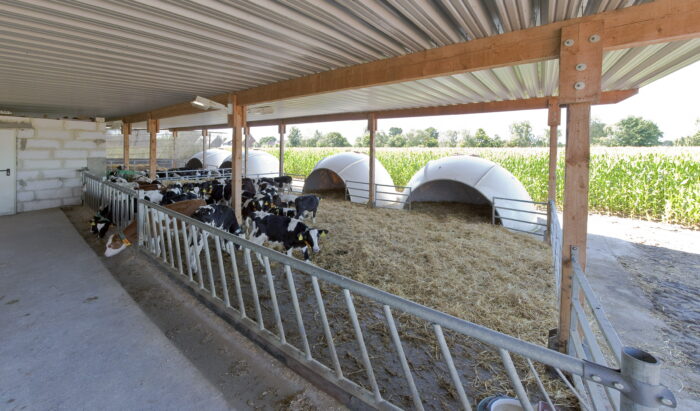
(554, 118)
(372, 127)
(282, 128)
(320, 118)
(126, 133)
(236, 120)
(537, 103)
(246, 147)
(205, 135)
(173, 162)
(654, 22)
(152, 126)
(575, 224)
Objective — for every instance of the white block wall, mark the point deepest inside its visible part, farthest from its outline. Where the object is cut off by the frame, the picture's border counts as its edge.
(49, 155)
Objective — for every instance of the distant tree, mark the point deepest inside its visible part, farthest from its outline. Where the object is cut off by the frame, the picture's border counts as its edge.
(311, 142)
(693, 140)
(598, 132)
(268, 141)
(397, 140)
(363, 140)
(481, 139)
(295, 138)
(636, 131)
(381, 139)
(521, 134)
(332, 139)
(395, 131)
(450, 138)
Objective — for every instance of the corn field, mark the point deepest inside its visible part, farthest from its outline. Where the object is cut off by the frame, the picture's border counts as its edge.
(656, 183)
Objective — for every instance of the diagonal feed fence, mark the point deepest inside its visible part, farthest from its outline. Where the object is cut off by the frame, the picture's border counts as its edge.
(374, 349)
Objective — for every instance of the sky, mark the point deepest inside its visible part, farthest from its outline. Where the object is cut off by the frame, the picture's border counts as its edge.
(673, 103)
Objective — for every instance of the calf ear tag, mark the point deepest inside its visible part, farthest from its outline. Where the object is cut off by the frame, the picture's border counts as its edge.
(323, 234)
(301, 237)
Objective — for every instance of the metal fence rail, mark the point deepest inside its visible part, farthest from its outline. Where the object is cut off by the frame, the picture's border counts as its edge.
(121, 200)
(385, 195)
(555, 241)
(215, 270)
(496, 217)
(315, 319)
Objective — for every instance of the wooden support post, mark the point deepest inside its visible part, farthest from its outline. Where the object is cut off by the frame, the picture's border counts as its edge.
(553, 121)
(126, 133)
(205, 135)
(152, 125)
(580, 68)
(173, 162)
(282, 130)
(372, 127)
(246, 147)
(236, 119)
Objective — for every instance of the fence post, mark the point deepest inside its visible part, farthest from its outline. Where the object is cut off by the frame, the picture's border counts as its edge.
(640, 367)
(140, 215)
(550, 209)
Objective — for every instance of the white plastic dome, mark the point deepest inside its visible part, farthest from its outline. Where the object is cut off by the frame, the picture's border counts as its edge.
(473, 180)
(351, 170)
(261, 163)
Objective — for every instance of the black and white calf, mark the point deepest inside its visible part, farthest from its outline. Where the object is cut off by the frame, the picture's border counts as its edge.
(306, 204)
(101, 221)
(218, 216)
(288, 232)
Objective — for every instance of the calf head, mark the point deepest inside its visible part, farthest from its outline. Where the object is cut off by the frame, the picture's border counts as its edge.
(101, 221)
(311, 237)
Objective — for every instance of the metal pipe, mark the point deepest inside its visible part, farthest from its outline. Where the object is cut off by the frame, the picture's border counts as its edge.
(237, 282)
(297, 312)
(456, 381)
(187, 251)
(254, 289)
(639, 366)
(361, 343)
(273, 297)
(326, 328)
(417, 403)
(210, 272)
(222, 274)
(515, 379)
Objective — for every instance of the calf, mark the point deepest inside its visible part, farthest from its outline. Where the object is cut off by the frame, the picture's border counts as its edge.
(101, 221)
(117, 244)
(288, 232)
(283, 182)
(218, 216)
(306, 204)
(171, 197)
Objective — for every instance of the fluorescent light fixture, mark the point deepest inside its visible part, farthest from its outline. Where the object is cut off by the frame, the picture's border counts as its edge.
(206, 104)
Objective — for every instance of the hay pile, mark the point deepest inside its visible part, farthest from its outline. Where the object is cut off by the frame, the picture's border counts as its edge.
(447, 257)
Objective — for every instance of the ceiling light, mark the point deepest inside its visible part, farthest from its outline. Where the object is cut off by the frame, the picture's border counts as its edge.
(206, 104)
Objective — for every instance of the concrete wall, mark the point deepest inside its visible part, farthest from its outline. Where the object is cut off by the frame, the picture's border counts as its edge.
(50, 154)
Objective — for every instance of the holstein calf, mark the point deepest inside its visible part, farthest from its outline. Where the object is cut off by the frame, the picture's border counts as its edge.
(101, 221)
(217, 216)
(118, 242)
(288, 232)
(306, 204)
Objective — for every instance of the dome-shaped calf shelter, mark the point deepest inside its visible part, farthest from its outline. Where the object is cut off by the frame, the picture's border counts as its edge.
(474, 180)
(260, 163)
(351, 170)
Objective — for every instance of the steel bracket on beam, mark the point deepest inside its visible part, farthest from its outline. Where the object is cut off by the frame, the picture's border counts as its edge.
(641, 393)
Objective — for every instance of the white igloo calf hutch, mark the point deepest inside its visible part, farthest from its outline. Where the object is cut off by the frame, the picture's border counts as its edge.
(260, 163)
(351, 170)
(474, 180)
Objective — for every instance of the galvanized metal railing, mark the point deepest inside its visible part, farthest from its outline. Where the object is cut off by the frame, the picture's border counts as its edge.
(194, 175)
(496, 216)
(121, 200)
(283, 303)
(555, 241)
(385, 195)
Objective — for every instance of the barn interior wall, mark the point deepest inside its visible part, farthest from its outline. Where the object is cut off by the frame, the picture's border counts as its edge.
(50, 154)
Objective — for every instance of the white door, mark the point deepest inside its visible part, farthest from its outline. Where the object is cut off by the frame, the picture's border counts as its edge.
(8, 172)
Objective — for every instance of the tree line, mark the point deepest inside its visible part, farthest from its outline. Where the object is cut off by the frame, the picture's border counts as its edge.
(630, 131)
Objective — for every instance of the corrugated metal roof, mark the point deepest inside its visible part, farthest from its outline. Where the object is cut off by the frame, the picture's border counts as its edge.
(622, 70)
(115, 57)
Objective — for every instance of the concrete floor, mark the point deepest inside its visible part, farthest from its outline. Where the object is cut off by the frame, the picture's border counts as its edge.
(74, 338)
(646, 276)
